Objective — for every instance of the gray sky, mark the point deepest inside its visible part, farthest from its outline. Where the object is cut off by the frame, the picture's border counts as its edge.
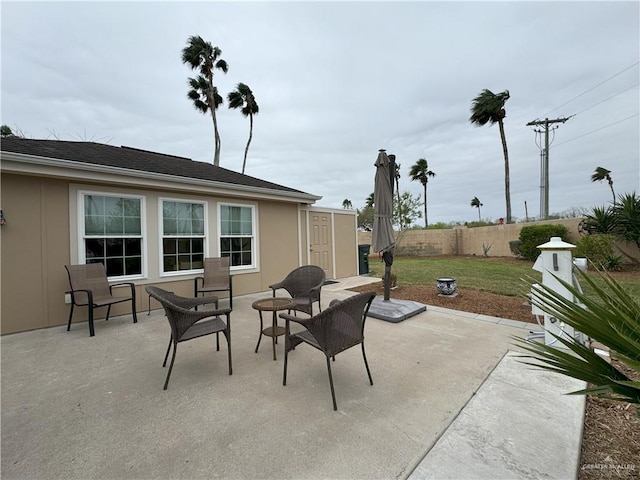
(336, 81)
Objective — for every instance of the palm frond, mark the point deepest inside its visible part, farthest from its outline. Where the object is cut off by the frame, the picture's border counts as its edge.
(488, 107)
(611, 317)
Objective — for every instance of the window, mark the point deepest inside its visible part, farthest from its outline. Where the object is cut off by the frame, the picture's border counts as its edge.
(112, 233)
(237, 234)
(183, 237)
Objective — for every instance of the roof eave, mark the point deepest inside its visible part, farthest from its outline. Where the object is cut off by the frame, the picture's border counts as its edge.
(53, 167)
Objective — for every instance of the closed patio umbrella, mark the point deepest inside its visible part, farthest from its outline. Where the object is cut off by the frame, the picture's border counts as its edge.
(383, 236)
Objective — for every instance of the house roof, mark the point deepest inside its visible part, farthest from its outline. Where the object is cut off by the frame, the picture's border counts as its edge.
(128, 158)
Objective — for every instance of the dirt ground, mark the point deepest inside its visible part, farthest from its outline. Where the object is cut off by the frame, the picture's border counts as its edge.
(611, 437)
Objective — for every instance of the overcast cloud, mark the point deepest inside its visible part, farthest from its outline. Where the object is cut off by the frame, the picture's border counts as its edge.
(337, 81)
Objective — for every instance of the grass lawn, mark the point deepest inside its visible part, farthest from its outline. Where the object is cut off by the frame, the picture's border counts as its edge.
(500, 275)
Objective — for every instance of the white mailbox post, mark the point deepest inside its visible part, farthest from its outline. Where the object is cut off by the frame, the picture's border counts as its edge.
(555, 262)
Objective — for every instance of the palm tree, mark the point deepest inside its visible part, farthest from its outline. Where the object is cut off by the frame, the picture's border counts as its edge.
(420, 171)
(396, 176)
(370, 200)
(600, 174)
(201, 55)
(346, 204)
(243, 98)
(488, 107)
(475, 202)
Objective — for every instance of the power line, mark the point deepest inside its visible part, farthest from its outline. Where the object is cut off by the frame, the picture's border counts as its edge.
(592, 88)
(608, 98)
(598, 129)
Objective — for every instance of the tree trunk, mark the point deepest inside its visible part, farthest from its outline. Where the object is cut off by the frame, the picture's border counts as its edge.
(479, 220)
(211, 98)
(246, 149)
(507, 193)
(426, 223)
(216, 157)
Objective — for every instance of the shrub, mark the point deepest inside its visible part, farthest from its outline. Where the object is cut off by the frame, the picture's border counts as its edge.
(533, 235)
(514, 246)
(598, 248)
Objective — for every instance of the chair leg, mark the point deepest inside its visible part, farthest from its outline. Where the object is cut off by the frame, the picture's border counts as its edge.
(333, 393)
(70, 315)
(286, 357)
(164, 364)
(173, 357)
(218, 341)
(228, 335)
(108, 312)
(366, 364)
(91, 330)
(133, 306)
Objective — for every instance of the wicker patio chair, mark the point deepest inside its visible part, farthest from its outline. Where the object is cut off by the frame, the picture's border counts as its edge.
(90, 288)
(216, 278)
(336, 329)
(303, 284)
(187, 324)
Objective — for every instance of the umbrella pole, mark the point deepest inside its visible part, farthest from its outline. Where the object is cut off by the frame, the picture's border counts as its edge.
(388, 261)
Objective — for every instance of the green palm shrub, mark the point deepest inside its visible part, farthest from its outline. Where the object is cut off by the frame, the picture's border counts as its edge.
(611, 317)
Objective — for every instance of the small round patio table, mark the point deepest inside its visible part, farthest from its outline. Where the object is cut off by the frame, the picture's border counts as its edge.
(272, 304)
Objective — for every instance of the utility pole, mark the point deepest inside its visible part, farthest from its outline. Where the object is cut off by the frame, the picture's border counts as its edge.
(544, 162)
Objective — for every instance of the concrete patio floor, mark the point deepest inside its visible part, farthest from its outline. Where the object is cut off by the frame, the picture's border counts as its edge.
(76, 407)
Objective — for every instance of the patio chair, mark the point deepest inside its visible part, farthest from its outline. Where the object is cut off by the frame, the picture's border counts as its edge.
(90, 288)
(336, 329)
(187, 324)
(216, 278)
(303, 284)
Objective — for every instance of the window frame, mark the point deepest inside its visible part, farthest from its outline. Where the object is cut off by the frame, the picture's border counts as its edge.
(253, 237)
(161, 235)
(82, 254)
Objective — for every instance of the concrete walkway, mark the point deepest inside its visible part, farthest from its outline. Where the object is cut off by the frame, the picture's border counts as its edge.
(444, 395)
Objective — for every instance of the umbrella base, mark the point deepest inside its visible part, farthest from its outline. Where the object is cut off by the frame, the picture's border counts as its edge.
(394, 310)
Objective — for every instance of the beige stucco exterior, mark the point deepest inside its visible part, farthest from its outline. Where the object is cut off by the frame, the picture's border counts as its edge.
(41, 236)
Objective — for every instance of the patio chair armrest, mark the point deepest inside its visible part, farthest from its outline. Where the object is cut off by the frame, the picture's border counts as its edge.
(314, 293)
(122, 284)
(196, 301)
(88, 292)
(290, 318)
(276, 286)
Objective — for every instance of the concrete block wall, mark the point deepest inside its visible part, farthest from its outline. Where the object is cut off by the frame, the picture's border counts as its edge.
(467, 241)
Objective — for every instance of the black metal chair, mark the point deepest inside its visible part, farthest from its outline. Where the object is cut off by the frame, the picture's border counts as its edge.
(304, 285)
(336, 329)
(187, 324)
(90, 288)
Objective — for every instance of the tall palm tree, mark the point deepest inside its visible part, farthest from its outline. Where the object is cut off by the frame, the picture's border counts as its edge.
(475, 202)
(396, 177)
(602, 173)
(420, 171)
(346, 204)
(488, 107)
(242, 97)
(204, 57)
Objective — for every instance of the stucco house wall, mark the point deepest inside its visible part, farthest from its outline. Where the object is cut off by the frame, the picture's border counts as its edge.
(42, 206)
